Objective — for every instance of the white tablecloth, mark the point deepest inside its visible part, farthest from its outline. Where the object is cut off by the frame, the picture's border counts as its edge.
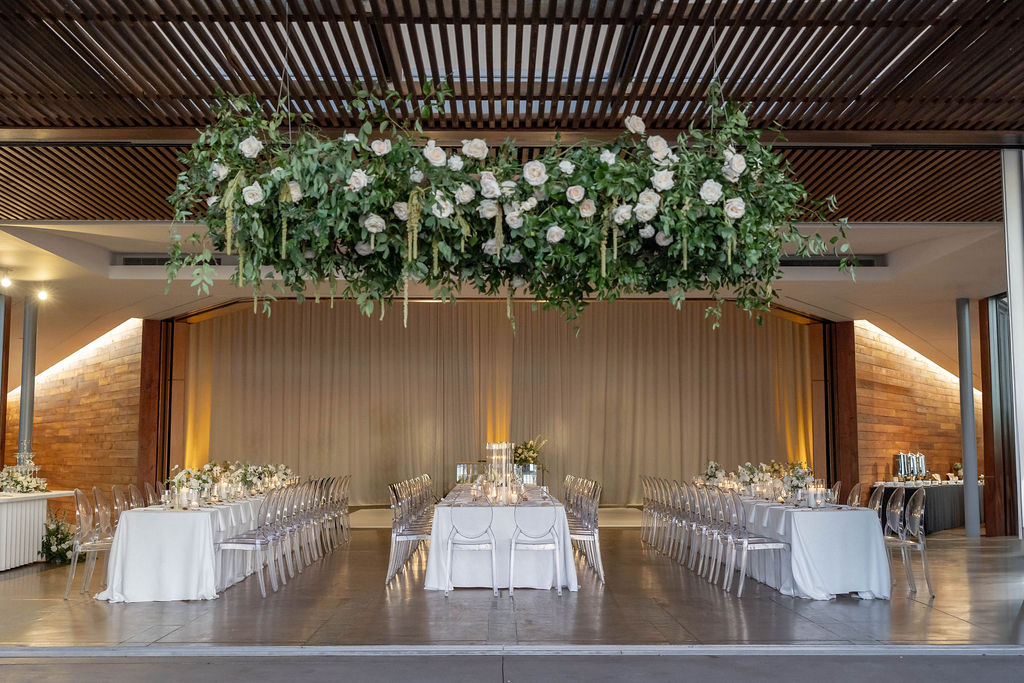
(161, 555)
(472, 568)
(22, 522)
(832, 550)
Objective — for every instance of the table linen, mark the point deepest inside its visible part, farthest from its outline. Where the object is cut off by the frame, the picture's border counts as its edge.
(22, 523)
(833, 550)
(162, 555)
(472, 569)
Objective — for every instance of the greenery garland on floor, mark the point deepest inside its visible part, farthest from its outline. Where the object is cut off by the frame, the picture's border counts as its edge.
(371, 212)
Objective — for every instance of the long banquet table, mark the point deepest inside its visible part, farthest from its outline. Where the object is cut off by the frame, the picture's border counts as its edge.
(22, 521)
(833, 550)
(472, 569)
(161, 555)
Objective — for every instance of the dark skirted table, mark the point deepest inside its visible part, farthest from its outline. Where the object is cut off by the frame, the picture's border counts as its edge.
(943, 505)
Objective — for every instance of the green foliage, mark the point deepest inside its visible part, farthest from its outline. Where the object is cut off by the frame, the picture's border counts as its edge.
(58, 539)
(312, 222)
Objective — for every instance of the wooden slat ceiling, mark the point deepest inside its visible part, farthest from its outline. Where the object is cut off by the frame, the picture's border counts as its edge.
(131, 182)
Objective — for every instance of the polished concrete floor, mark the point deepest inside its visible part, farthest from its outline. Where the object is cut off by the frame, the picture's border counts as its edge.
(648, 600)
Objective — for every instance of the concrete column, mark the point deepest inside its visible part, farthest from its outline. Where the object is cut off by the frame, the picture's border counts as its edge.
(1013, 215)
(968, 430)
(28, 380)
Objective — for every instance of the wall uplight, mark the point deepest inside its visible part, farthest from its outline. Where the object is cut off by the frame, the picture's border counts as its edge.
(42, 294)
(5, 281)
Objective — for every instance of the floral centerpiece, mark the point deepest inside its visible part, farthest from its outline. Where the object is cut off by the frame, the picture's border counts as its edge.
(798, 477)
(714, 473)
(746, 474)
(365, 215)
(189, 478)
(528, 452)
(251, 476)
(58, 540)
(16, 480)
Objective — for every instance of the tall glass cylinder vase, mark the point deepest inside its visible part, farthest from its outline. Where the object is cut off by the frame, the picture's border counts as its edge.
(499, 466)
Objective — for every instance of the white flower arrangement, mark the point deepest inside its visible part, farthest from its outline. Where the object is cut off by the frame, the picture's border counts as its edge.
(798, 477)
(14, 480)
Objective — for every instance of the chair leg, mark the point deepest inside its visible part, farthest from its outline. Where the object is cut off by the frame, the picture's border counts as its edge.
(597, 558)
(271, 568)
(558, 568)
(909, 570)
(743, 572)
(71, 573)
(511, 570)
(494, 570)
(90, 565)
(927, 576)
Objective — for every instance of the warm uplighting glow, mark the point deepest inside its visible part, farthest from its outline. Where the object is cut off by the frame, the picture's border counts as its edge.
(5, 281)
(43, 295)
(908, 352)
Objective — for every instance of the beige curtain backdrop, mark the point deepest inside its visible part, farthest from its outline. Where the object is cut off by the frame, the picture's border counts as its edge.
(633, 387)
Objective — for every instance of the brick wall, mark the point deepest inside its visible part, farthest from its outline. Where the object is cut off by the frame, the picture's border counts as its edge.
(905, 403)
(86, 427)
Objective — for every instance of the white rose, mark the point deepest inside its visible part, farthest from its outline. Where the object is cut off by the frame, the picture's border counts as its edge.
(555, 234)
(294, 190)
(710, 191)
(442, 208)
(735, 208)
(276, 172)
(649, 197)
(513, 220)
(658, 145)
(490, 247)
(663, 240)
(487, 208)
(587, 208)
(363, 248)
(508, 187)
(515, 257)
(539, 194)
(475, 148)
(381, 147)
(575, 194)
(219, 171)
(529, 204)
(489, 185)
(212, 199)
(635, 125)
(646, 232)
(401, 210)
(373, 223)
(662, 180)
(358, 179)
(415, 175)
(250, 147)
(737, 162)
(566, 167)
(730, 175)
(644, 212)
(608, 157)
(535, 173)
(621, 214)
(252, 194)
(464, 194)
(455, 162)
(434, 154)
(517, 282)
(349, 137)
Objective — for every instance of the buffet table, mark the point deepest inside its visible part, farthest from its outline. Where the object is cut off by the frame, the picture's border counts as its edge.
(473, 569)
(943, 504)
(833, 550)
(22, 522)
(160, 554)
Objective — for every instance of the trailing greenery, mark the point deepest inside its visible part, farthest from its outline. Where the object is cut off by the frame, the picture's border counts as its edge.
(367, 214)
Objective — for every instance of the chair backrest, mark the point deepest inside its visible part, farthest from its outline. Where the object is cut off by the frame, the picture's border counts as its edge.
(855, 493)
(120, 501)
(135, 498)
(875, 500)
(915, 514)
(152, 497)
(102, 512)
(894, 512)
(535, 521)
(84, 529)
(468, 522)
(834, 492)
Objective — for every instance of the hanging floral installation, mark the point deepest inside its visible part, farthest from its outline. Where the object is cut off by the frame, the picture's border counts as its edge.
(707, 214)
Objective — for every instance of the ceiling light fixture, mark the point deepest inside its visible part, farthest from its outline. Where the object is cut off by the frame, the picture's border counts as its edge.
(42, 294)
(5, 281)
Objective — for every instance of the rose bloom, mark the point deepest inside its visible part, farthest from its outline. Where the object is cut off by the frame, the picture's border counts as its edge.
(250, 147)
(566, 167)
(358, 179)
(517, 282)
(381, 147)
(587, 208)
(710, 191)
(657, 144)
(508, 187)
(737, 162)
(401, 210)
(554, 234)
(219, 171)
(535, 173)
(487, 208)
(349, 137)
(608, 157)
(434, 154)
(252, 194)
(575, 194)
(730, 175)
(373, 223)
(415, 175)
(212, 199)
(455, 162)
(529, 204)
(644, 212)
(621, 214)
(635, 125)
(464, 194)
(649, 197)
(363, 248)
(515, 257)
(490, 247)
(294, 191)
(513, 220)
(475, 148)
(735, 208)
(442, 208)
(646, 232)
(489, 185)
(663, 240)
(663, 180)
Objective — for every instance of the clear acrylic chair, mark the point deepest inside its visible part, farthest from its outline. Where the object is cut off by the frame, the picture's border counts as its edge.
(535, 532)
(471, 531)
(745, 543)
(834, 492)
(152, 497)
(875, 503)
(261, 541)
(853, 500)
(88, 539)
(911, 537)
(135, 499)
(120, 503)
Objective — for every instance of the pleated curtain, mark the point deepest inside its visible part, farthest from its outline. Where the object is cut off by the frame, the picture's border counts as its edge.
(631, 388)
